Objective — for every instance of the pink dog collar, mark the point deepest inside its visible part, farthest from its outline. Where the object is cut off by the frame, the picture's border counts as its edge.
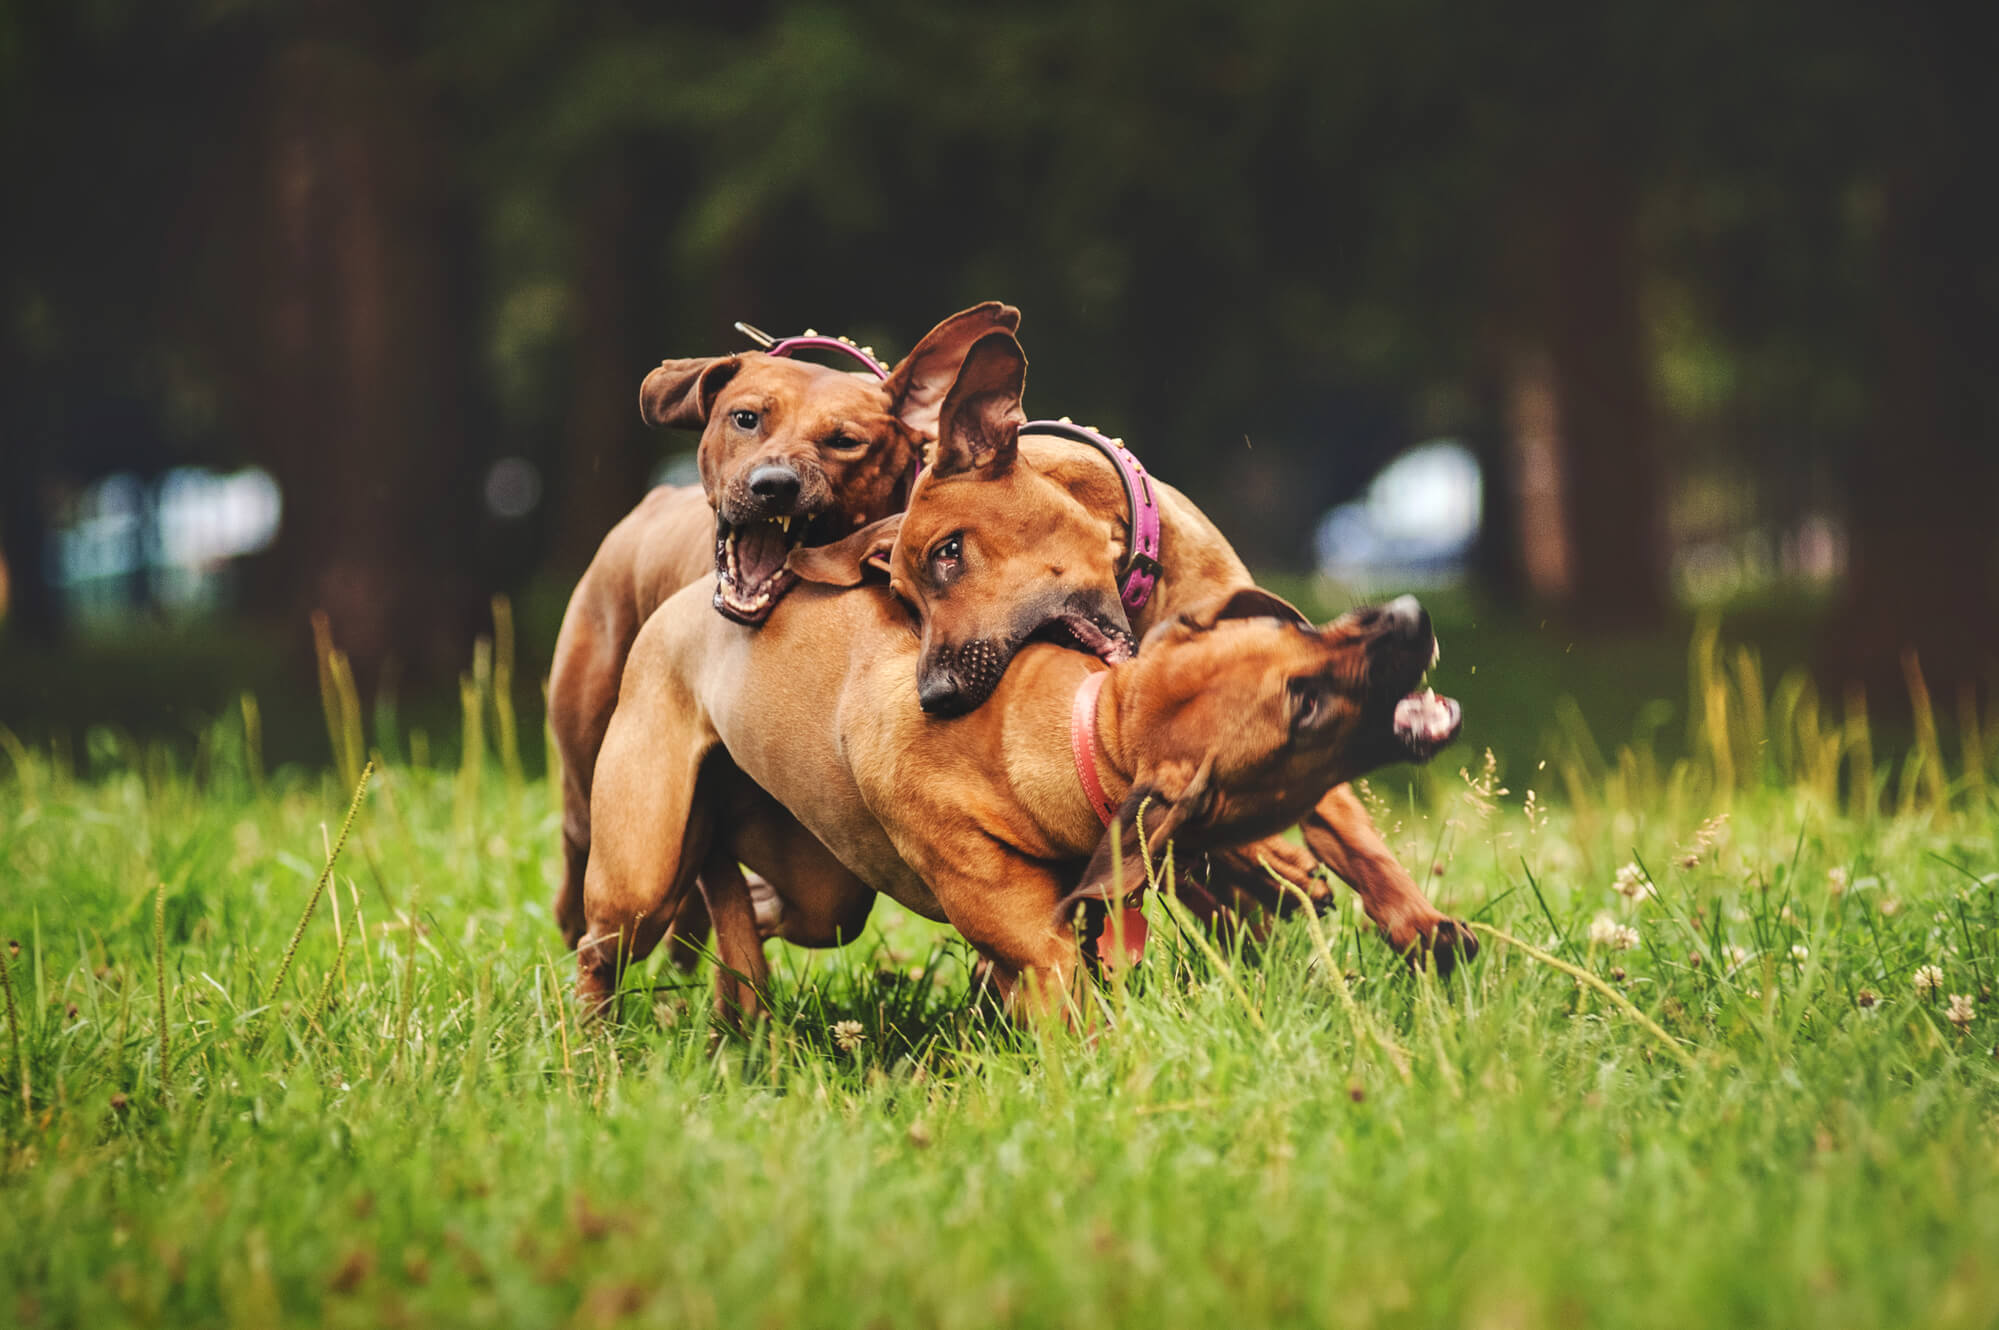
(814, 342)
(1083, 747)
(811, 340)
(1141, 566)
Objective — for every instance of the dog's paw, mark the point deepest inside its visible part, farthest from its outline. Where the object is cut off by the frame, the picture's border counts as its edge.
(1444, 944)
(1450, 943)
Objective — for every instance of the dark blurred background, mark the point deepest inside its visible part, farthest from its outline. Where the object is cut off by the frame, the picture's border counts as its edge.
(1598, 314)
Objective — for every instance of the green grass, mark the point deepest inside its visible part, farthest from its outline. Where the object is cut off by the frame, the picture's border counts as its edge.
(415, 1130)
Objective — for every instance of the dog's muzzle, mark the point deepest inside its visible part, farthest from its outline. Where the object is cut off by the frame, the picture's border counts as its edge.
(750, 576)
(1401, 654)
(957, 679)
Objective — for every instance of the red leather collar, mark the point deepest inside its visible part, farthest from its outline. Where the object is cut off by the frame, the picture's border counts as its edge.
(1083, 744)
(1130, 921)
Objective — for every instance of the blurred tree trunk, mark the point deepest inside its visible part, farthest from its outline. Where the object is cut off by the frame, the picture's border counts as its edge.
(1530, 502)
(356, 388)
(604, 457)
(1924, 571)
(1593, 332)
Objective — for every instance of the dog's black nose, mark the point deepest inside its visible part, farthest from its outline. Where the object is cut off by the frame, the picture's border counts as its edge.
(938, 695)
(777, 486)
(1405, 617)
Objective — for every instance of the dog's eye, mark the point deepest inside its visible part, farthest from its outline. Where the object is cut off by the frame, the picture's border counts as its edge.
(1308, 703)
(946, 558)
(840, 443)
(745, 420)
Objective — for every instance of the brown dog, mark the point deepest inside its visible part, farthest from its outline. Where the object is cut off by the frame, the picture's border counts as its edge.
(1226, 727)
(1011, 536)
(792, 454)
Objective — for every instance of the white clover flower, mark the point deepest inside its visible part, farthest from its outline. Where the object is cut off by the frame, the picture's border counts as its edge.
(1836, 881)
(1734, 957)
(1960, 1012)
(849, 1035)
(1929, 978)
(1605, 931)
(1799, 952)
(1632, 884)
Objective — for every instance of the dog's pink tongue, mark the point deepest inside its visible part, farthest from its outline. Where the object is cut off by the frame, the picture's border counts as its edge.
(760, 551)
(1427, 718)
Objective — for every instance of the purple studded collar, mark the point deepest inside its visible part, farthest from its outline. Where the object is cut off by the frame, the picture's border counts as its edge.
(1141, 565)
(811, 340)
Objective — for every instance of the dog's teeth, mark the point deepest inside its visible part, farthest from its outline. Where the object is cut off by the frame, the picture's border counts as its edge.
(1436, 652)
(784, 525)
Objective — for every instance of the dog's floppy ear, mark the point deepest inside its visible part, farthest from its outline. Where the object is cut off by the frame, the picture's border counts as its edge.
(1145, 822)
(847, 562)
(681, 393)
(979, 427)
(918, 385)
(1244, 603)
(1250, 602)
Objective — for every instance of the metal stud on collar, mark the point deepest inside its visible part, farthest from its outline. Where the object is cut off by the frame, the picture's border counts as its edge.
(813, 340)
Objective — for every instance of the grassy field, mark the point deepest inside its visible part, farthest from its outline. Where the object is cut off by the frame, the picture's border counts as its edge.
(1776, 1103)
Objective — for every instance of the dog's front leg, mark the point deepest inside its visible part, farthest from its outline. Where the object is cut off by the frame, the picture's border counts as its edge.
(1343, 836)
(1008, 913)
(651, 826)
(741, 972)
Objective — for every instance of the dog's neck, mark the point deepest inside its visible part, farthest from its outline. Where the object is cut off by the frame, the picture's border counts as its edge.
(1116, 764)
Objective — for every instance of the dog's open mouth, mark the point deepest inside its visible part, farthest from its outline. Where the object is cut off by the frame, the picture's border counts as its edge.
(1422, 721)
(750, 576)
(1080, 631)
(1425, 722)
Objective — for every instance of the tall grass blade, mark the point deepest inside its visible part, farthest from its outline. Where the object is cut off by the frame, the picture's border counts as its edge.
(24, 764)
(160, 978)
(253, 742)
(472, 688)
(1860, 750)
(338, 700)
(503, 692)
(1927, 743)
(319, 885)
(18, 1064)
(1973, 743)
